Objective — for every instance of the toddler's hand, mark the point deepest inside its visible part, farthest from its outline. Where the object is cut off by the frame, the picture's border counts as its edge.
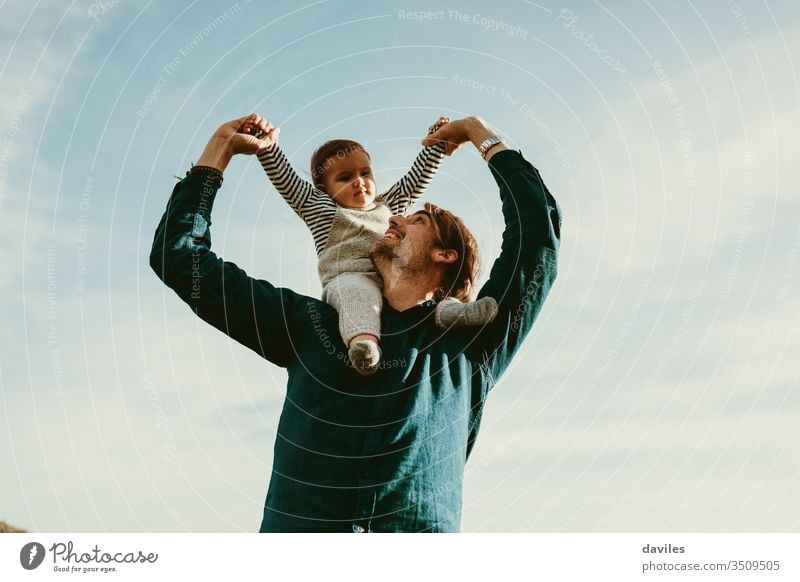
(262, 130)
(235, 137)
(457, 133)
(442, 121)
(245, 135)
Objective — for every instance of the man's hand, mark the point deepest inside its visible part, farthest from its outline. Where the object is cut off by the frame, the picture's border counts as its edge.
(458, 132)
(245, 135)
(263, 134)
(438, 124)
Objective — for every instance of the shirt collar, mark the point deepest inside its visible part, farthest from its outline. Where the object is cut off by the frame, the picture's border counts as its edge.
(422, 309)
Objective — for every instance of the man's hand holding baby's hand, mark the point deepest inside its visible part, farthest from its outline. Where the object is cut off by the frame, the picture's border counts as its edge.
(264, 134)
(246, 135)
(458, 132)
(262, 130)
(438, 124)
(454, 134)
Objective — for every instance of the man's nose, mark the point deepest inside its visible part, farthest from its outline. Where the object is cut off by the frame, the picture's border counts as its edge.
(396, 220)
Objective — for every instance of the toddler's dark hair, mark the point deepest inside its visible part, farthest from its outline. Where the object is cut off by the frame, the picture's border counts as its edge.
(331, 150)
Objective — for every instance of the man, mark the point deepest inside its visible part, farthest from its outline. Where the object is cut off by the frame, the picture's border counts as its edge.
(384, 452)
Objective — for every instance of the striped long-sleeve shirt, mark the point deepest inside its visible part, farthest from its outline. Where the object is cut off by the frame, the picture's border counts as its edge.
(317, 209)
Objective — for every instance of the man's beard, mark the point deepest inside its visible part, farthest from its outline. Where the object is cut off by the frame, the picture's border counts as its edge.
(388, 261)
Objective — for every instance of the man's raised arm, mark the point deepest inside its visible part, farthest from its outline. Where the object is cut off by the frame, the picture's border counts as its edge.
(521, 277)
(253, 312)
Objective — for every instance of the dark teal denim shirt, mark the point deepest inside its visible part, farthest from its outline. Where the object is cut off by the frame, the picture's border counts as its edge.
(385, 452)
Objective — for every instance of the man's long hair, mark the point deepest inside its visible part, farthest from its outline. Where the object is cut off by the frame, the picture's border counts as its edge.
(459, 277)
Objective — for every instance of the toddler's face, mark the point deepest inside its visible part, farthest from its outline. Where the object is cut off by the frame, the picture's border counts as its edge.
(349, 181)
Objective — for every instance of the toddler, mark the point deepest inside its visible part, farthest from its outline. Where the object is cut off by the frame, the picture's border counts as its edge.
(346, 217)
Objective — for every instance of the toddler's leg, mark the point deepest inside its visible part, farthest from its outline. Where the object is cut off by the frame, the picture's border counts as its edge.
(452, 313)
(358, 299)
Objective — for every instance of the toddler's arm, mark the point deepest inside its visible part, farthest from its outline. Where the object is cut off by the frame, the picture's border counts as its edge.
(410, 187)
(316, 208)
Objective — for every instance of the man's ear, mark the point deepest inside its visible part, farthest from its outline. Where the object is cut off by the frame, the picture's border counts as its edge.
(446, 256)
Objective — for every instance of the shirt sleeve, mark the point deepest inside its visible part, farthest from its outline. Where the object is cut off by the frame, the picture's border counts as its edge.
(251, 311)
(311, 204)
(409, 188)
(523, 274)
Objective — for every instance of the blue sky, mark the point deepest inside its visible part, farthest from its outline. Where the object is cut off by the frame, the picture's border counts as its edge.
(657, 391)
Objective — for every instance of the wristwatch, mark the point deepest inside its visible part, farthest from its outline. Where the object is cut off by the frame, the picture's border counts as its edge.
(488, 144)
